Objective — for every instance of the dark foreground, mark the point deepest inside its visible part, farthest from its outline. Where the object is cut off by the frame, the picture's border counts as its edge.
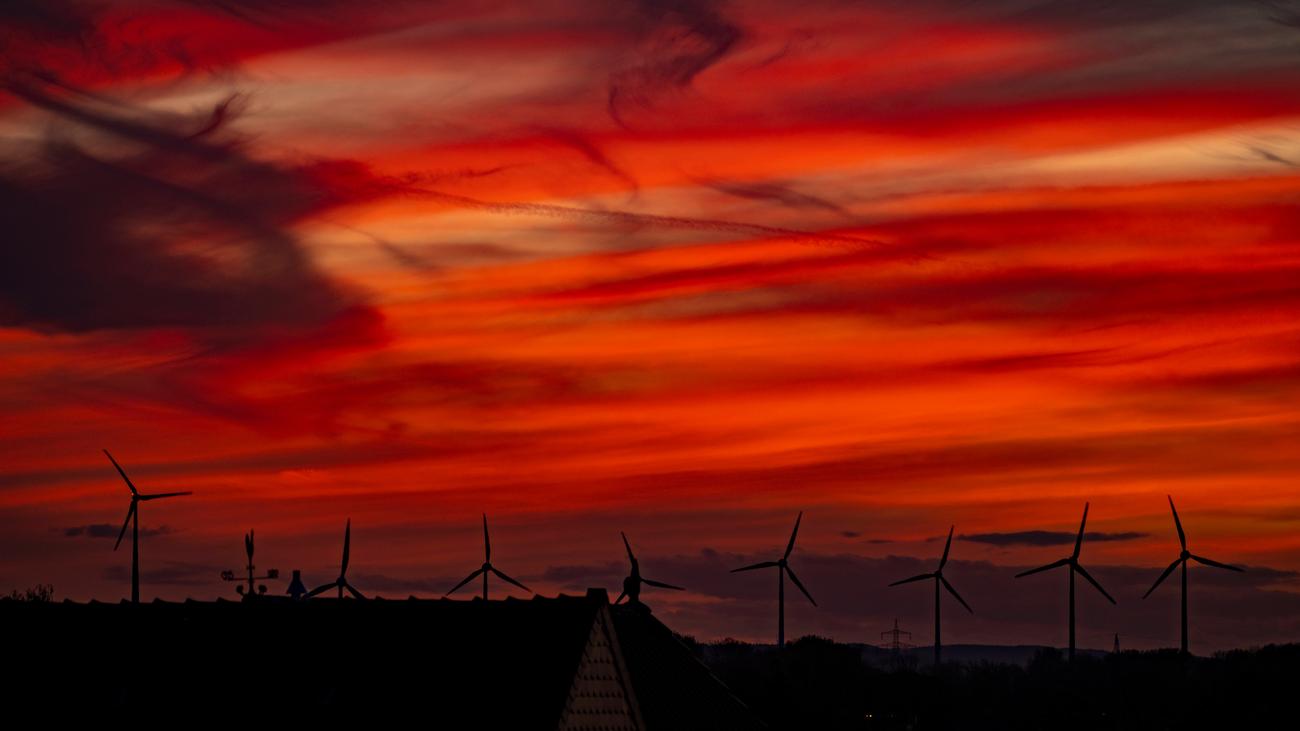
(817, 684)
(567, 662)
(576, 663)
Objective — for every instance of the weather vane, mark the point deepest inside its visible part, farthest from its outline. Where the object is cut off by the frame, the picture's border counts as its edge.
(230, 575)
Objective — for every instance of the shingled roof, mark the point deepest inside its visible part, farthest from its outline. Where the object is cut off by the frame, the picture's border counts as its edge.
(546, 663)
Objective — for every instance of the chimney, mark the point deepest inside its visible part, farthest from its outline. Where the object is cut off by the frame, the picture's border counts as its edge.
(598, 595)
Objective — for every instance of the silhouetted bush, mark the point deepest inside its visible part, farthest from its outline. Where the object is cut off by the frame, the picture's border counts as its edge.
(817, 684)
(38, 593)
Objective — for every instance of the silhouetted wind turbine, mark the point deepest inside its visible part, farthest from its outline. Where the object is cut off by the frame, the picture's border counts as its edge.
(1073, 562)
(632, 584)
(783, 568)
(487, 567)
(133, 517)
(1182, 559)
(937, 575)
(341, 582)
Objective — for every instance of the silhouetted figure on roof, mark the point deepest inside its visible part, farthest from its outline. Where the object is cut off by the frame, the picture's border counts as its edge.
(486, 568)
(783, 568)
(632, 583)
(937, 575)
(1182, 559)
(133, 518)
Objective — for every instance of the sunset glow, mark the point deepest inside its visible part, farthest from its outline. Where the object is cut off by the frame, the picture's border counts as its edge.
(673, 267)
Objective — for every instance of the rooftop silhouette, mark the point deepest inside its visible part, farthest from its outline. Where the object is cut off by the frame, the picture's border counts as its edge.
(562, 662)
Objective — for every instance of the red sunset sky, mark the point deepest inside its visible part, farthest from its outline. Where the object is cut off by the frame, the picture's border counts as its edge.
(675, 267)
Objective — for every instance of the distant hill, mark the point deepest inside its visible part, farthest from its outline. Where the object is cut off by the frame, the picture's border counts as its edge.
(967, 654)
(917, 657)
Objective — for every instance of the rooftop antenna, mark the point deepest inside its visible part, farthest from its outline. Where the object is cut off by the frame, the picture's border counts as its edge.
(937, 575)
(230, 575)
(1182, 559)
(783, 568)
(133, 518)
(632, 584)
(487, 568)
(1075, 567)
(341, 582)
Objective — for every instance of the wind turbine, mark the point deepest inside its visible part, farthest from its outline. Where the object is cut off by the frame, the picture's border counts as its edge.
(341, 582)
(133, 517)
(937, 575)
(486, 568)
(783, 568)
(1182, 559)
(1075, 567)
(632, 584)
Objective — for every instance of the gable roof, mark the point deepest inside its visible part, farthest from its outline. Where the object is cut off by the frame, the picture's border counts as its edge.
(675, 690)
(508, 663)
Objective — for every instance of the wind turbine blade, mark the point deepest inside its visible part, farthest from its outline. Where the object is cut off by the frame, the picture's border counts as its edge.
(628, 546)
(468, 579)
(1051, 565)
(1084, 572)
(1216, 564)
(790, 546)
(946, 546)
(1078, 541)
(1182, 537)
(122, 472)
(751, 567)
(347, 547)
(662, 585)
(129, 512)
(790, 572)
(322, 589)
(953, 591)
(352, 590)
(159, 495)
(487, 544)
(620, 597)
(918, 577)
(1163, 576)
(503, 577)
